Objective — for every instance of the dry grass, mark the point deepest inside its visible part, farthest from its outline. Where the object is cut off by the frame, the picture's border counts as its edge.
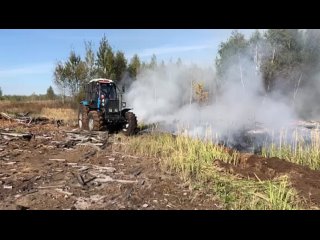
(48, 108)
(193, 159)
(65, 114)
(297, 149)
(33, 107)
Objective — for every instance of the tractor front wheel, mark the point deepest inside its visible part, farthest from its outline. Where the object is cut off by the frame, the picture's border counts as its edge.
(83, 117)
(131, 125)
(95, 121)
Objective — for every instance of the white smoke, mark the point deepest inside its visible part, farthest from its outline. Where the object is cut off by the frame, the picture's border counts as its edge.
(237, 103)
(166, 95)
(159, 95)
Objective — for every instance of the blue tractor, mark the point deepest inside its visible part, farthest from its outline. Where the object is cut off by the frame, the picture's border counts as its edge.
(103, 109)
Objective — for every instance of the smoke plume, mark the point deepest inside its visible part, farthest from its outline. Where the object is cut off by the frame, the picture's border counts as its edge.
(238, 102)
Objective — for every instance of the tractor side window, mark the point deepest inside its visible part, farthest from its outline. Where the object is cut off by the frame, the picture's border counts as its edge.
(94, 92)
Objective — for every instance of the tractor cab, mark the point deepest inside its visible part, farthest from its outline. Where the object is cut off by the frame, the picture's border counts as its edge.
(103, 108)
(99, 92)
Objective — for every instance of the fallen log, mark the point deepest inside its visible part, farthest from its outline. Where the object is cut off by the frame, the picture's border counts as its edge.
(23, 119)
(48, 187)
(5, 116)
(104, 169)
(59, 190)
(27, 136)
(102, 178)
(94, 145)
(57, 159)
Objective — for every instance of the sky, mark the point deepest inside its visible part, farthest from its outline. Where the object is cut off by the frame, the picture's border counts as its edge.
(28, 57)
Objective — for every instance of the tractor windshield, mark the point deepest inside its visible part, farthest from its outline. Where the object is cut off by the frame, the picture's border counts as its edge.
(109, 90)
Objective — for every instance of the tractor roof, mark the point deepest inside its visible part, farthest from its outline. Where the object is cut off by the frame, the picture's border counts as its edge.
(101, 80)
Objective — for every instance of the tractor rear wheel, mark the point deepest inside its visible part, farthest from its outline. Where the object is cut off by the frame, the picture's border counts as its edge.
(83, 117)
(131, 125)
(95, 121)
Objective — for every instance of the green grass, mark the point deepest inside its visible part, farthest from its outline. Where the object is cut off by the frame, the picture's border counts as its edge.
(248, 194)
(193, 160)
(298, 151)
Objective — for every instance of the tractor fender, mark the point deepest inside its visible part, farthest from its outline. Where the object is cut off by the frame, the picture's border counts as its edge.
(123, 111)
(84, 102)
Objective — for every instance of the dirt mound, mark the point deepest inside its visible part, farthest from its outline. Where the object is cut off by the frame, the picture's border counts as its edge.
(305, 180)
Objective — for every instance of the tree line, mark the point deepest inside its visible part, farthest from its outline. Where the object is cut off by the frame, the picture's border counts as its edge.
(71, 75)
(284, 57)
(287, 60)
(50, 95)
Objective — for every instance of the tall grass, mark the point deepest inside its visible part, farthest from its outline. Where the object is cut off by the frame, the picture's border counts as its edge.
(52, 109)
(246, 194)
(193, 159)
(182, 153)
(65, 114)
(304, 150)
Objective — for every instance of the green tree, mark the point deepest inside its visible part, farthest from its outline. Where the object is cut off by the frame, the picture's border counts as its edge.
(60, 79)
(90, 61)
(153, 62)
(134, 66)
(257, 46)
(76, 74)
(311, 50)
(0, 93)
(230, 51)
(282, 66)
(143, 66)
(71, 75)
(105, 60)
(50, 93)
(120, 65)
(256, 37)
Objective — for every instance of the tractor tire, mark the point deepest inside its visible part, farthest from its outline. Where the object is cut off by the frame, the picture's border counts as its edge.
(95, 122)
(83, 117)
(131, 125)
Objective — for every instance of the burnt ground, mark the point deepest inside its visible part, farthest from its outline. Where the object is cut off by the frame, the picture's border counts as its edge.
(50, 171)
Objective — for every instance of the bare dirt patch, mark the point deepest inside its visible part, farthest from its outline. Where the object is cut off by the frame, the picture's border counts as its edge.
(63, 169)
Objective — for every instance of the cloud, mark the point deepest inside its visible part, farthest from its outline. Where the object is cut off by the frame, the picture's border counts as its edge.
(75, 38)
(170, 49)
(35, 69)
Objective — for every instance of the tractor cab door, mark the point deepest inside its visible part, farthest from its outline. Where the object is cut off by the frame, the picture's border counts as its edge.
(93, 90)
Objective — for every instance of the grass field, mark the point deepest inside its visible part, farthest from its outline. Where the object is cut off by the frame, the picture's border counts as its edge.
(193, 160)
(296, 149)
(49, 108)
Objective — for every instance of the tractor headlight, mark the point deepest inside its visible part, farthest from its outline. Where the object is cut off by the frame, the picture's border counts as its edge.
(110, 109)
(115, 110)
